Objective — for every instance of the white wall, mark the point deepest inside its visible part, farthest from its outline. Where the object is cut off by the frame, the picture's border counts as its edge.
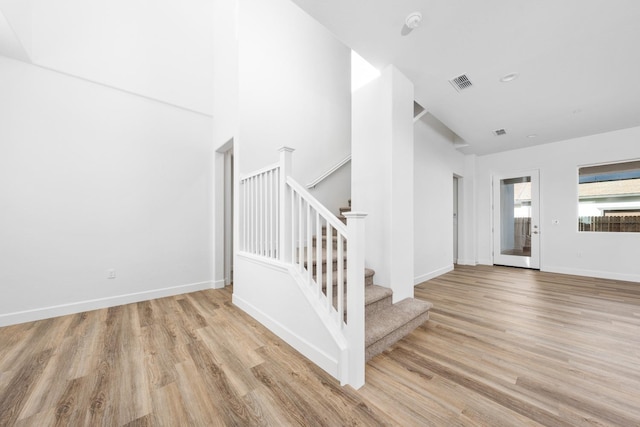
(161, 49)
(382, 177)
(91, 179)
(436, 162)
(295, 90)
(563, 248)
(225, 71)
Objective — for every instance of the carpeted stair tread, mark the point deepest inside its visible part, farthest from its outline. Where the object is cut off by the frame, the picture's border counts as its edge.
(372, 294)
(393, 318)
(323, 239)
(375, 293)
(368, 277)
(314, 256)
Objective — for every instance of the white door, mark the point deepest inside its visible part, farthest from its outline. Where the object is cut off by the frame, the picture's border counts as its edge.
(516, 225)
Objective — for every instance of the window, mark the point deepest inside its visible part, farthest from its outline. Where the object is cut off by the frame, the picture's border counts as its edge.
(609, 197)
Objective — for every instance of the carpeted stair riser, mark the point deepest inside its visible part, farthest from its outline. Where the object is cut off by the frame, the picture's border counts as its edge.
(392, 323)
(374, 308)
(385, 322)
(368, 278)
(375, 298)
(323, 261)
(334, 246)
(389, 340)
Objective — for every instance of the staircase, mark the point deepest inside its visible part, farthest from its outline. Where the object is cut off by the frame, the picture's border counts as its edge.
(294, 278)
(385, 323)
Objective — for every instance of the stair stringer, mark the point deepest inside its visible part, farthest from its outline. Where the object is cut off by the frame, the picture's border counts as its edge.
(278, 296)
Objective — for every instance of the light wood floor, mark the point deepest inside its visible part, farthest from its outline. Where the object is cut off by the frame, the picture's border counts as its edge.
(503, 347)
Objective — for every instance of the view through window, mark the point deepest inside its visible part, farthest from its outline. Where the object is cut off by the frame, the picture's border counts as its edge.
(609, 197)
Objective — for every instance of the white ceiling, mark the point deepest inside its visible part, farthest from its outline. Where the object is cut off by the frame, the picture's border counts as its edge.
(159, 49)
(578, 62)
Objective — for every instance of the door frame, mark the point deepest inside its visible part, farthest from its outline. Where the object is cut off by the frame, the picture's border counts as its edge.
(456, 218)
(532, 262)
(223, 200)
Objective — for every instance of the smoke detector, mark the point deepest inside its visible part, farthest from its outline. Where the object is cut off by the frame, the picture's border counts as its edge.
(499, 132)
(413, 20)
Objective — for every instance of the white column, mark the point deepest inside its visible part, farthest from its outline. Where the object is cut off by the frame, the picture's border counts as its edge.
(382, 176)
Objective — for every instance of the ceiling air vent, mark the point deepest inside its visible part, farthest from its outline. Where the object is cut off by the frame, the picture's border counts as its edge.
(500, 132)
(461, 82)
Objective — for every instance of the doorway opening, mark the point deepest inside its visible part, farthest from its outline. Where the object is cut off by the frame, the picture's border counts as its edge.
(223, 215)
(456, 204)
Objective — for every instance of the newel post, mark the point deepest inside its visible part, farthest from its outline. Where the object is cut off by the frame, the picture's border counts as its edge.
(284, 224)
(355, 297)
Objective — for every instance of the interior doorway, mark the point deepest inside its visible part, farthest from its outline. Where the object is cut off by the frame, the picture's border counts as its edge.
(228, 216)
(223, 213)
(456, 204)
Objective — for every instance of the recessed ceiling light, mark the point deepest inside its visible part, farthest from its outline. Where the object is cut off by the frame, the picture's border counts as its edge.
(533, 135)
(509, 77)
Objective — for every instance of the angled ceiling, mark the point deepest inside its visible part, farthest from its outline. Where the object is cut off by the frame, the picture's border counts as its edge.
(577, 61)
(11, 44)
(161, 50)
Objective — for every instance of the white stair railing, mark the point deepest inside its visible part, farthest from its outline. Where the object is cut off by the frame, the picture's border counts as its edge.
(261, 212)
(281, 220)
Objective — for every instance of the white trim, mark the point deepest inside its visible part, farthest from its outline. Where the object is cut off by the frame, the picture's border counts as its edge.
(419, 115)
(260, 171)
(433, 274)
(95, 304)
(485, 261)
(328, 173)
(593, 273)
(219, 284)
(319, 357)
(272, 263)
(466, 262)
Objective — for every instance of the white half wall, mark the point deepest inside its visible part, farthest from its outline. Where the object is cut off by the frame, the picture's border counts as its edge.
(93, 179)
(436, 162)
(563, 248)
(272, 296)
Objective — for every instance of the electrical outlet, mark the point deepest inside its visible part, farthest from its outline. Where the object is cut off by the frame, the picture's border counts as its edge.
(111, 273)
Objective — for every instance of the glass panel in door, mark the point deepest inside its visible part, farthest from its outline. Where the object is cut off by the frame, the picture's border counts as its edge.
(516, 233)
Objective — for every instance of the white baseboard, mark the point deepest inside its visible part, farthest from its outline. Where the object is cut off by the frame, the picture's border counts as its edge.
(593, 273)
(432, 274)
(316, 355)
(95, 304)
(219, 284)
(487, 261)
(466, 262)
